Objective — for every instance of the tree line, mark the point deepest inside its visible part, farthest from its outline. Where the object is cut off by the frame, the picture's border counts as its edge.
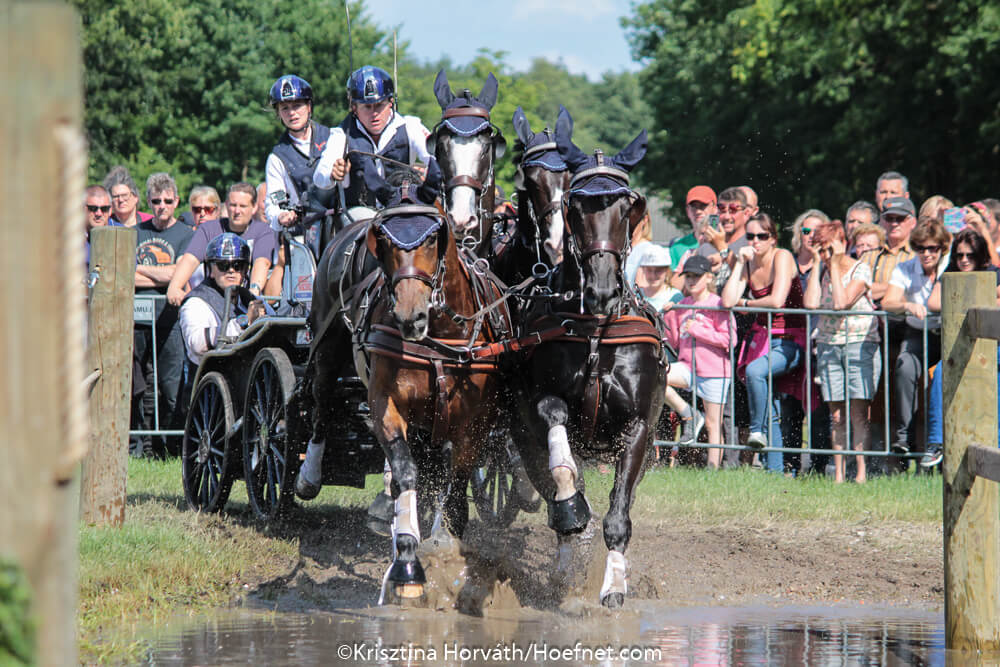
(806, 101)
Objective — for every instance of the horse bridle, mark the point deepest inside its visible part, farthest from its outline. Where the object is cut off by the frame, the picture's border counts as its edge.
(602, 246)
(478, 186)
(412, 272)
(538, 218)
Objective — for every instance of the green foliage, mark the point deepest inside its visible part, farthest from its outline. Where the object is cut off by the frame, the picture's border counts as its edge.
(808, 102)
(183, 84)
(17, 628)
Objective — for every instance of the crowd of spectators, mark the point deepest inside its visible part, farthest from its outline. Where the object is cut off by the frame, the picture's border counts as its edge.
(739, 366)
(883, 255)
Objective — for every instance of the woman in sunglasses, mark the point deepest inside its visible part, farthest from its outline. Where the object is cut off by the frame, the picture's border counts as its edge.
(227, 265)
(205, 202)
(909, 290)
(969, 252)
(848, 356)
(775, 351)
(802, 241)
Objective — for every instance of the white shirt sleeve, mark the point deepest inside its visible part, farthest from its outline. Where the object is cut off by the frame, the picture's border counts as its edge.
(899, 277)
(417, 134)
(277, 181)
(334, 151)
(198, 327)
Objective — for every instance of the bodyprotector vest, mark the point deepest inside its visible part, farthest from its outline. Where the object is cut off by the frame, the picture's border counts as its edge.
(300, 168)
(210, 293)
(362, 193)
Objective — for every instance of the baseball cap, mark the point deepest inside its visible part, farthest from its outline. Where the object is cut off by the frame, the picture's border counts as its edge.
(697, 265)
(701, 193)
(898, 206)
(655, 255)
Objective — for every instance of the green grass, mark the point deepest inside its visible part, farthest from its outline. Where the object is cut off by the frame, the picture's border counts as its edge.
(712, 497)
(167, 560)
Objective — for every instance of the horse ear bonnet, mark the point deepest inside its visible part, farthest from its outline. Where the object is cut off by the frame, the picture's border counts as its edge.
(411, 229)
(466, 126)
(610, 175)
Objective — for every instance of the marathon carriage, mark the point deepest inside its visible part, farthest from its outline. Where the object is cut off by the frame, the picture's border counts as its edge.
(250, 416)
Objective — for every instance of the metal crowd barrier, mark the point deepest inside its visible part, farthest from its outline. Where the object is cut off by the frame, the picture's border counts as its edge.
(809, 314)
(144, 313)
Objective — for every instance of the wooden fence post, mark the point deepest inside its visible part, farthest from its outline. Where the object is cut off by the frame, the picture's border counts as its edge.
(105, 469)
(43, 415)
(971, 529)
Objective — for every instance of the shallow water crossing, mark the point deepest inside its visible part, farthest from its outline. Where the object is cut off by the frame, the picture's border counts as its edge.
(640, 635)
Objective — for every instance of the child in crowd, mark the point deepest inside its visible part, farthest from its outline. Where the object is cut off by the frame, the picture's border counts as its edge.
(653, 277)
(702, 339)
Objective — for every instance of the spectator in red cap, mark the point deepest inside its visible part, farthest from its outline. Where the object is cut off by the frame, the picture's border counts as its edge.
(700, 204)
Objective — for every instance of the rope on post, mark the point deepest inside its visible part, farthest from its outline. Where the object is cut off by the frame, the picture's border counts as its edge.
(73, 149)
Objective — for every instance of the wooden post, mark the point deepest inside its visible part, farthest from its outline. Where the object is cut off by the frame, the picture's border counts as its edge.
(43, 415)
(102, 485)
(971, 530)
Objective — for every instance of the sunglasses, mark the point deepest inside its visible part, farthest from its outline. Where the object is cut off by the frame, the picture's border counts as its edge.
(963, 255)
(226, 267)
(807, 230)
(731, 208)
(763, 236)
(199, 210)
(927, 248)
(894, 219)
(157, 202)
(94, 208)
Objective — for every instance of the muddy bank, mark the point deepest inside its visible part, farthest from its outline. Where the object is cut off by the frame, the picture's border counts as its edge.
(675, 563)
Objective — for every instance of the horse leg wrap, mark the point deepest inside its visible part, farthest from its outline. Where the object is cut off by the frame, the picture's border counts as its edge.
(570, 515)
(407, 520)
(561, 463)
(614, 575)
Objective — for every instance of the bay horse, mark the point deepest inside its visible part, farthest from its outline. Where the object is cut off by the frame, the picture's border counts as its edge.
(432, 369)
(594, 386)
(467, 145)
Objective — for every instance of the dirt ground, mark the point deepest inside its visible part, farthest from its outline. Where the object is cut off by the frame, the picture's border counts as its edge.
(677, 564)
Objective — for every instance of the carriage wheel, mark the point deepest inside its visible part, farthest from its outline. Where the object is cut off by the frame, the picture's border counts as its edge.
(205, 450)
(493, 490)
(267, 446)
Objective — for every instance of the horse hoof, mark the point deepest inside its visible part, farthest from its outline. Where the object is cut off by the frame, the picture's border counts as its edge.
(407, 572)
(408, 591)
(379, 527)
(305, 489)
(613, 600)
(570, 515)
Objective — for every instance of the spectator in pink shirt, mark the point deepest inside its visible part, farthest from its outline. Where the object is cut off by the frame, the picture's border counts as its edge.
(702, 339)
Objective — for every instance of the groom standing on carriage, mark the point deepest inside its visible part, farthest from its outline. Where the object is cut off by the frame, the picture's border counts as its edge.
(375, 132)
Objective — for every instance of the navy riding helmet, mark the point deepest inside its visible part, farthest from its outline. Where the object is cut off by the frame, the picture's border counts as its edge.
(227, 247)
(370, 85)
(290, 88)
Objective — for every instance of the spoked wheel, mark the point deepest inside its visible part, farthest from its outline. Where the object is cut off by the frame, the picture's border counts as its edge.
(493, 489)
(205, 451)
(267, 446)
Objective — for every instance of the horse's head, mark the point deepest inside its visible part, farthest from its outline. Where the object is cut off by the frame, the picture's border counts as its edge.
(466, 145)
(410, 238)
(541, 180)
(602, 211)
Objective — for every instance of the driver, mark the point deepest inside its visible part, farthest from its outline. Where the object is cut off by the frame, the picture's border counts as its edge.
(293, 159)
(372, 127)
(227, 264)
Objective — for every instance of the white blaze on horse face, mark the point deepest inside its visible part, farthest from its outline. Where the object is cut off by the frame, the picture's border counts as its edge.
(561, 463)
(406, 520)
(615, 580)
(462, 209)
(553, 243)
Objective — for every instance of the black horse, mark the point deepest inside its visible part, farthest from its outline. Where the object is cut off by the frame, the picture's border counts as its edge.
(467, 146)
(534, 245)
(594, 386)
